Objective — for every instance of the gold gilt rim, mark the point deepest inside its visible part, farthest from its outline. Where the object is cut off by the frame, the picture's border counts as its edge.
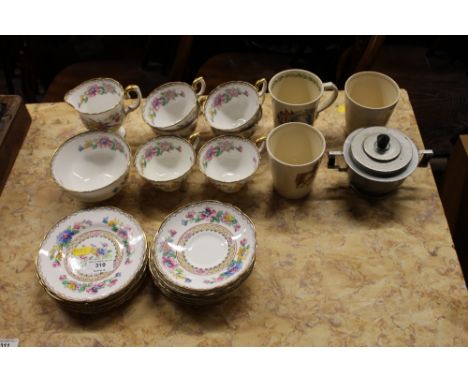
(244, 128)
(161, 279)
(156, 236)
(179, 178)
(259, 106)
(246, 179)
(54, 155)
(142, 265)
(159, 88)
(91, 80)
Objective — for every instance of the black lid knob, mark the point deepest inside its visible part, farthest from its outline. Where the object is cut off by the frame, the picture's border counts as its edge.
(382, 142)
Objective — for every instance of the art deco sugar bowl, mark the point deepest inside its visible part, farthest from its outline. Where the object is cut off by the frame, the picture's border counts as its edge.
(100, 103)
(172, 109)
(228, 162)
(92, 166)
(93, 260)
(379, 159)
(166, 161)
(203, 252)
(235, 106)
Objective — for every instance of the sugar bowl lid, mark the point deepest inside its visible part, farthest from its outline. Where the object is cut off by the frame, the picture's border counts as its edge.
(381, 151)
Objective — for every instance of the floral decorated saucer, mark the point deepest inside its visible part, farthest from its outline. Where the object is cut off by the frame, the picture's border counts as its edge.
(93, 255)
(203, 247)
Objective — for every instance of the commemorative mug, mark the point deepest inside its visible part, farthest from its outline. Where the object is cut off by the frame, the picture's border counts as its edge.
(370, 98)
(100, 103)
(296, 95)
(295, 150)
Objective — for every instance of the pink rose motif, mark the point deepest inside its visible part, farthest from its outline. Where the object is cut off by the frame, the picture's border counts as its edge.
(92, 91)
(169, 262)
(156, 103)
(164, 146)
(172, 232)
(218, 100)
(243, 241)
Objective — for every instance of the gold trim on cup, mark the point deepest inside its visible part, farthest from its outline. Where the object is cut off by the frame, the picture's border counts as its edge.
(124, 175)
(219, 137)
(241, 127)
(179, 178)
(91, 80)
(174, 126)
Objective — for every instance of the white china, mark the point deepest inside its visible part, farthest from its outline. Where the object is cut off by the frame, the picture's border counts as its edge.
(247, 130)
(100, 103)
(166, 161)
(172, 108)
(203, 248)
(229, 161)
(92, 166)
(232, 106)
(92, 256)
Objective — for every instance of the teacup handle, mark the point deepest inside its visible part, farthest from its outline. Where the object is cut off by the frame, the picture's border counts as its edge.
(260, 143)
(328, 86)
(136, 90)
(261, 86)
(200, 81)
(194, 139)
(202, 102)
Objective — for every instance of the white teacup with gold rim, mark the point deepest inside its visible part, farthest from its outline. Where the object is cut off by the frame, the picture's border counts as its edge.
(172, 108)
(92, 166)
(229, 162)
(232, 106)
(100, 102)
(166, 161)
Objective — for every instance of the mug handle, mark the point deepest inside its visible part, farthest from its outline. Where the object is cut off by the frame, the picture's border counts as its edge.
(202, 102)
(199, 81)
(128, 90)
(194, 139)
(261, 86)
(260, 143)
(328, 86)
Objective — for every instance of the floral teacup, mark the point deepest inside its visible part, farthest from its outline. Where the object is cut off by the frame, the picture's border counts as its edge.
(92, 166)
(172, 108)
(166, 161)
(232, 106)
(229, 161)
(100, 102)
(247, 131)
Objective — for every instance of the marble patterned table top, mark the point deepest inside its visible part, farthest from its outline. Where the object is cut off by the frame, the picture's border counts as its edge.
(333, 269)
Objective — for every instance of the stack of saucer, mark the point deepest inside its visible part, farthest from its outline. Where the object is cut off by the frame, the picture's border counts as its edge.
(93, 260)
(203, 252)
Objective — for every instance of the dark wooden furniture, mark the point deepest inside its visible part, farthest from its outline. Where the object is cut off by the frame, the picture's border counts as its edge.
(14, 124)
(454, 197)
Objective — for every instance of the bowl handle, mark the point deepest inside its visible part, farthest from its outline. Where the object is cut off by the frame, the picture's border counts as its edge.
(261, 142)
(202, 102)
(261, 86)
(135, 89)
(194, 139)
(196, 82)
